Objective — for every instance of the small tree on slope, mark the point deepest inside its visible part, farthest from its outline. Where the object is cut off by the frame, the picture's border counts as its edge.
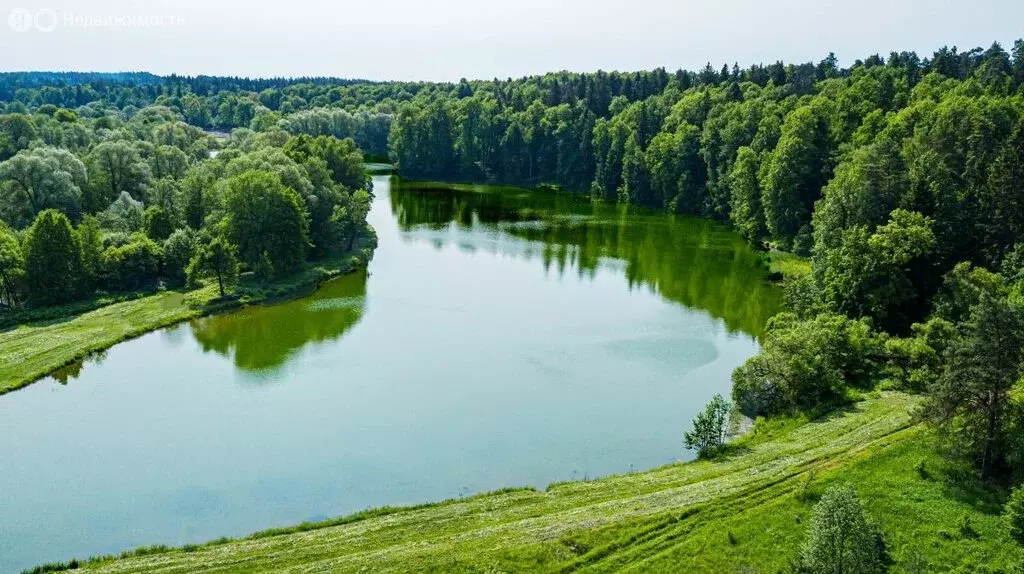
(840, 540)
(709, 427)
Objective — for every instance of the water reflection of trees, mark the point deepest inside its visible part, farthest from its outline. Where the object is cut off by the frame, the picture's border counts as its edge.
(695, 262)
(263, 337)
(73, 370)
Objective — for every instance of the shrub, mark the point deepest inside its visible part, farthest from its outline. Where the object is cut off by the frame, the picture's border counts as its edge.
(966, 528)
(921, 469)
(807, 363)
(804, 494)
(915, 362)
(1013, 513)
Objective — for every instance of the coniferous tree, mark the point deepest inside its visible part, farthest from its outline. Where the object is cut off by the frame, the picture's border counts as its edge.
(970, 400)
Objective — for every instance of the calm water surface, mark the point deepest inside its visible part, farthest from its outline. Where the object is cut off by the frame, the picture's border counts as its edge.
(499, 338)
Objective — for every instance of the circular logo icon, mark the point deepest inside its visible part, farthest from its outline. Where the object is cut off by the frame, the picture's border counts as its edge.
(46, 20)
(20, 20)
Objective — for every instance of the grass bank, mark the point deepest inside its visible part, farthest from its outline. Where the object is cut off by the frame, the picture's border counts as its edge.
(745, 512)
(785, 265)
(40, 347)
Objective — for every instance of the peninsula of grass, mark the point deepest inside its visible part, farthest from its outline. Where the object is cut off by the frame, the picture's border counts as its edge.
(49, 339)
(744, 512)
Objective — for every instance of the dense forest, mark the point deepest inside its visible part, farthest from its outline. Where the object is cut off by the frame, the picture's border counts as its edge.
(901, 178)
(107, 203)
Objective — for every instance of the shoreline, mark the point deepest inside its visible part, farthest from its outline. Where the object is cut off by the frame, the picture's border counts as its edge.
(93, 331)
(563, 516)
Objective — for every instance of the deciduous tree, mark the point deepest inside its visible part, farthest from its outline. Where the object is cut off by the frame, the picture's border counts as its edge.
(265, 217)
(53, 263)
(840, 539)
(709, 427)
(215, 259)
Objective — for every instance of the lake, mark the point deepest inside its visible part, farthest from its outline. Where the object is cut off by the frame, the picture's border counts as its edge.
(499, 338)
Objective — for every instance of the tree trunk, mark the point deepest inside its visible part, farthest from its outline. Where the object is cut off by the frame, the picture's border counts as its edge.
(351, 241)
(220, 283)
(990, 437)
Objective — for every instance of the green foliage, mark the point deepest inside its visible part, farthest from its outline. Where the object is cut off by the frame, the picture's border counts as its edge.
(326, 231)
(126, 215)
(867, 186)
(265, 217)
(115, 167)
(795, 173)
(38, 179)
(350, 219)
(134, 265)
(195, 208)
(870, 274)
(747, 214)
(264, 268)
(144, 170)
(36, 342)
(53, 262)
(709, 427)
(961, 289)
(914, 362)
(971, 400)
(1013, 264)
(933, 146)
(168, 162)
(807, 363)
(90, 241)
(840, 540)
(166, 194)
(966, 528)
(343, 158)
(12, 266)
(676, 170)
(216, 259)
(803, 296)
(157, 223)
(179, 249)
(1013, 514)
(16, 132)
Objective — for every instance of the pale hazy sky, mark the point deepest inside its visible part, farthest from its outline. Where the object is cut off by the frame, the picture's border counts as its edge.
(449, 39)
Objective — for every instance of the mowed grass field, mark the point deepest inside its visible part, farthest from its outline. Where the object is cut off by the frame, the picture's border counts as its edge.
(28, 352)
(38, 348)
(746, 512)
